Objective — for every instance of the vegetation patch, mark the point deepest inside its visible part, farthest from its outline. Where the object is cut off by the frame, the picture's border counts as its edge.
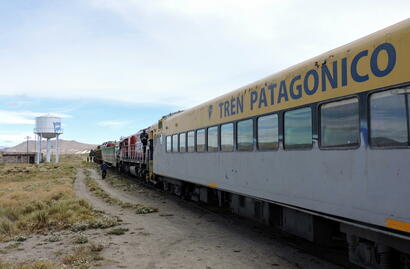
(81, 239)
(118, 231)
(103, 222)
(40, 198)
(34, 265)
(54, 238)
(83, 256)
(20, 238)
(99, 192)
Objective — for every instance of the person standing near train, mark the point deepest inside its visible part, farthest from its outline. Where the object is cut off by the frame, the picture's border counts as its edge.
(104, 168)
(144, 141)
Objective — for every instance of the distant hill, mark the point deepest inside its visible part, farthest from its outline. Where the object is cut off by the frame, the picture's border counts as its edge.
(66, 147)
(3, 148)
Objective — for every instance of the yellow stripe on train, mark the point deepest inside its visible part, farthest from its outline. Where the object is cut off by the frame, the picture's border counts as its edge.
(398, 225)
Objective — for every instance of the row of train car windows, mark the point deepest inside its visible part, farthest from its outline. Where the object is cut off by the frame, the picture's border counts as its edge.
(339, 127)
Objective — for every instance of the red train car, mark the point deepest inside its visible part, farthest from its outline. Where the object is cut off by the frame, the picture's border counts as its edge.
(133, 154)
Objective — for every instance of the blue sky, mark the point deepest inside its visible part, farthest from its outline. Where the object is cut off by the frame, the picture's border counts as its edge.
(91, 121)
(110, 68)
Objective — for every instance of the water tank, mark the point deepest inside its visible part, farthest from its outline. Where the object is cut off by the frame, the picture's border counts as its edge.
(48, 127)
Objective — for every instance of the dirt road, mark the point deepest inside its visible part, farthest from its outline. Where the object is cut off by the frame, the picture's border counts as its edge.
(181, 235)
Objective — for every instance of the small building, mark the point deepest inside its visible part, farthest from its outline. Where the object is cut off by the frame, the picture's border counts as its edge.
(17, 157)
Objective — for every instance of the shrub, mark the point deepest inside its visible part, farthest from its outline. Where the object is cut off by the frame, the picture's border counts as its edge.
(118, 231)
(81, 239)
(6, 228)
(41, 219)
(20, 238)
(54, 238)
(96, 247)
(12, 214)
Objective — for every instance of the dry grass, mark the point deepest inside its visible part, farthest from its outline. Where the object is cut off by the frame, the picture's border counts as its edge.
(84, 256)
(81, 257)
(40, 198)
(118, 231)
(99, 192)
(34, 265)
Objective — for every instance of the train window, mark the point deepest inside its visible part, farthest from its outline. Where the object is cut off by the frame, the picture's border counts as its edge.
(298, 129)
(191, 141)
(200, 140)
(244, 135)
(268, 132)
(339, 123)
(182, 141)
(388, 118)
(175, 143)
(227, 137)
(213, 139)
(168, 144)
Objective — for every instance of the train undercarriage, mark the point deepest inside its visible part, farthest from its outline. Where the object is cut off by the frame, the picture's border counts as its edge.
(366, 247)
(135, 169)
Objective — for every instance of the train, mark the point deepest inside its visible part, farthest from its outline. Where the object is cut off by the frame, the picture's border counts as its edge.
(320, 150)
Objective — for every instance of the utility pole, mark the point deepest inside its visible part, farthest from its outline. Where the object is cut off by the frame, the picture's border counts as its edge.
(28, 158)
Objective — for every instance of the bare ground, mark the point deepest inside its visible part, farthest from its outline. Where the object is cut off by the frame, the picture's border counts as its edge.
(180, 235)
(184, 236)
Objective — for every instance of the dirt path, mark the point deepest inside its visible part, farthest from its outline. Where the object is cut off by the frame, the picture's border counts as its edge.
(184, 236)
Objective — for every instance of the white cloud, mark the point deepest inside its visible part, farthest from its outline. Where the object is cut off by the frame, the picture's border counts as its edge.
(25, 117)
(179, 52)
(113, 123)
(12, 139)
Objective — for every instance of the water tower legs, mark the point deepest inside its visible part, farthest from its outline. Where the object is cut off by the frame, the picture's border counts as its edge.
(48, 150)
(57, 149)
(38, 140)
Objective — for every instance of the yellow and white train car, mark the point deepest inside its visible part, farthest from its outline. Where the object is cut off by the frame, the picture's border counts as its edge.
(323, 145)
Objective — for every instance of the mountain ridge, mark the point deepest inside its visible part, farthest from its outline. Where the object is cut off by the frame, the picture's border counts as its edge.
(66, 147)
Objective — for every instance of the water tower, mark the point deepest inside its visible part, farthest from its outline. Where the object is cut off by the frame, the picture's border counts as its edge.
(47, 127)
